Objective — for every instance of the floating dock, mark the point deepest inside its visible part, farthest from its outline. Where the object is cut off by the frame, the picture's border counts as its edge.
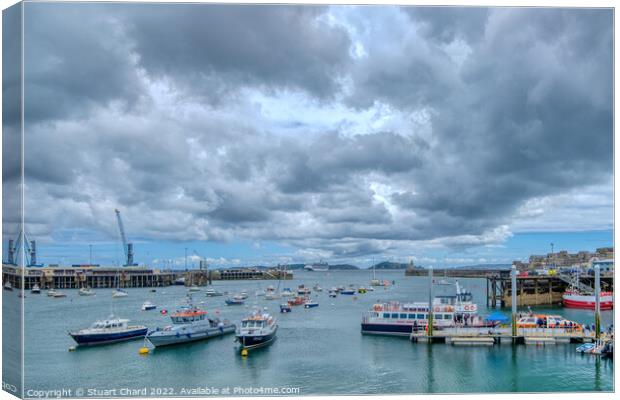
(465, 336)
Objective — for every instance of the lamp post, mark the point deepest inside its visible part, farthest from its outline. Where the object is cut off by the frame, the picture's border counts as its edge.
(430, 302)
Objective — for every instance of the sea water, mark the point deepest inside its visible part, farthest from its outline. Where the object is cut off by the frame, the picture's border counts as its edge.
(318, 350)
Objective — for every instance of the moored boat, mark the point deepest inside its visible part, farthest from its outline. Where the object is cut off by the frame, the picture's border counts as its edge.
(8, 286)
(58, 294)
(286, 292)
(86, 292)
(147, 305)
(361, 290)
(189, 324)
(573, 298)
(110, 330)
(333, 292)
(311, 304)
(116, 293)
(35, 289)
(235, 301)
(285, 308)
(297, 301)
(400, 319)
(257, 330)
(213, 293)
(193, 289)
(347, 292)
(548, 322)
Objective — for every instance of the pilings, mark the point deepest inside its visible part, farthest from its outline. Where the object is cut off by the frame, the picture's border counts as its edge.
(597, 301)
(513, 286)
(430, 302)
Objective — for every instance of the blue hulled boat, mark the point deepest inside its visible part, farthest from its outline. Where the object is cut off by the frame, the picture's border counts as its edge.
(111, 330)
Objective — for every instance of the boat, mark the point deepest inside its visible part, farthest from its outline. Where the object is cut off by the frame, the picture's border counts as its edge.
(86, 292)
(116, 293)
(317, 267)
(236, 300)
(58, 294)
(340, 289)
(153, 290)
(193, 289)
(285, 308)
(21, 295)
(147, 305)
(303, 291)
(317, 288)
(297, 301)
(257, 330)
(272, 296)
(286, 292)
(464, 307)
(51, 292)
(598, 347)
(189, 324)
(347, 292)
(243, 295)
(547, 321)
(8, 286)
(213, 293)
(311, 304)
(333, 292)
(111, 330)
(574, 298)
(260, 293)
(361, 290)
(401, 319)
(35, 289)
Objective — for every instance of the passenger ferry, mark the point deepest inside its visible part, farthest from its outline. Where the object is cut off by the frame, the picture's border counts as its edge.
(111, 330)
(400, 319)
(189, 324)
(257, 330)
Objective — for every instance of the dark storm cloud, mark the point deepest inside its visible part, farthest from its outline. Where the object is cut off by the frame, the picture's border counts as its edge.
(214, 47)
(162, 110)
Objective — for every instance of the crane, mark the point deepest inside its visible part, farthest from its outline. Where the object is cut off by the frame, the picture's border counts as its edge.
(127, 247)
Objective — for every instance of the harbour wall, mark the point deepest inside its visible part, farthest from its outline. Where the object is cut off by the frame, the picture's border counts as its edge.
(125, 277)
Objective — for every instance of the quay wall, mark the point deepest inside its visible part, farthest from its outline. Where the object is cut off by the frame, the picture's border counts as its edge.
(124, 277)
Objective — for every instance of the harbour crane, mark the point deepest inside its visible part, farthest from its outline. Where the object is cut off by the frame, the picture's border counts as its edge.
(127, 247)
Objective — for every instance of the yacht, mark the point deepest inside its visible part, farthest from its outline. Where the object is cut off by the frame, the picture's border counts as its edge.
(147, 305)
(189, 324)
(86, 292)
(119, 293)
(257, 330)
(213, 293)
(110, 330)
(35, 289)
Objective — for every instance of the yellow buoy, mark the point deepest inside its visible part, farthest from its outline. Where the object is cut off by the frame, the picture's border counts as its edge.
(244, 352)
(143, 350)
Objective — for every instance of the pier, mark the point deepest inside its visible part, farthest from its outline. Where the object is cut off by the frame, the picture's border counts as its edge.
(535, 290)
(125, 277)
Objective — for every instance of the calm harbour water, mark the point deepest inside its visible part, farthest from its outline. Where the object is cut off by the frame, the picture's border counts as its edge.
(319, 351)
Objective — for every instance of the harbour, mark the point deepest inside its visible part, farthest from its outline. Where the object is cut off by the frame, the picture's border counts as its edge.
(315, 346)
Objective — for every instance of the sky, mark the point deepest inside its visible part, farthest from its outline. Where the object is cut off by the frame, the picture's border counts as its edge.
(274, 134)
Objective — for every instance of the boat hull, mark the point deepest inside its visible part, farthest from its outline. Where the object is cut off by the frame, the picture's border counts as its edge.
(255, 341)
(105, 338)
(587, 301)
(163, 338)
(387, 329)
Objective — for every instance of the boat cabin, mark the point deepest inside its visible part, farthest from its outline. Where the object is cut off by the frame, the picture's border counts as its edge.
(188, 316)
(110, 324)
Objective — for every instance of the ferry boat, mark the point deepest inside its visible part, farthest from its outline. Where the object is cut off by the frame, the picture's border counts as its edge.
(111, 330)
(189, 324)
(116, 293)
(35, 289)
(548, 322)
(213, 293)
(147, 305)
(86, 292)
(400, 319)
(257, 330)
(574, 298)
